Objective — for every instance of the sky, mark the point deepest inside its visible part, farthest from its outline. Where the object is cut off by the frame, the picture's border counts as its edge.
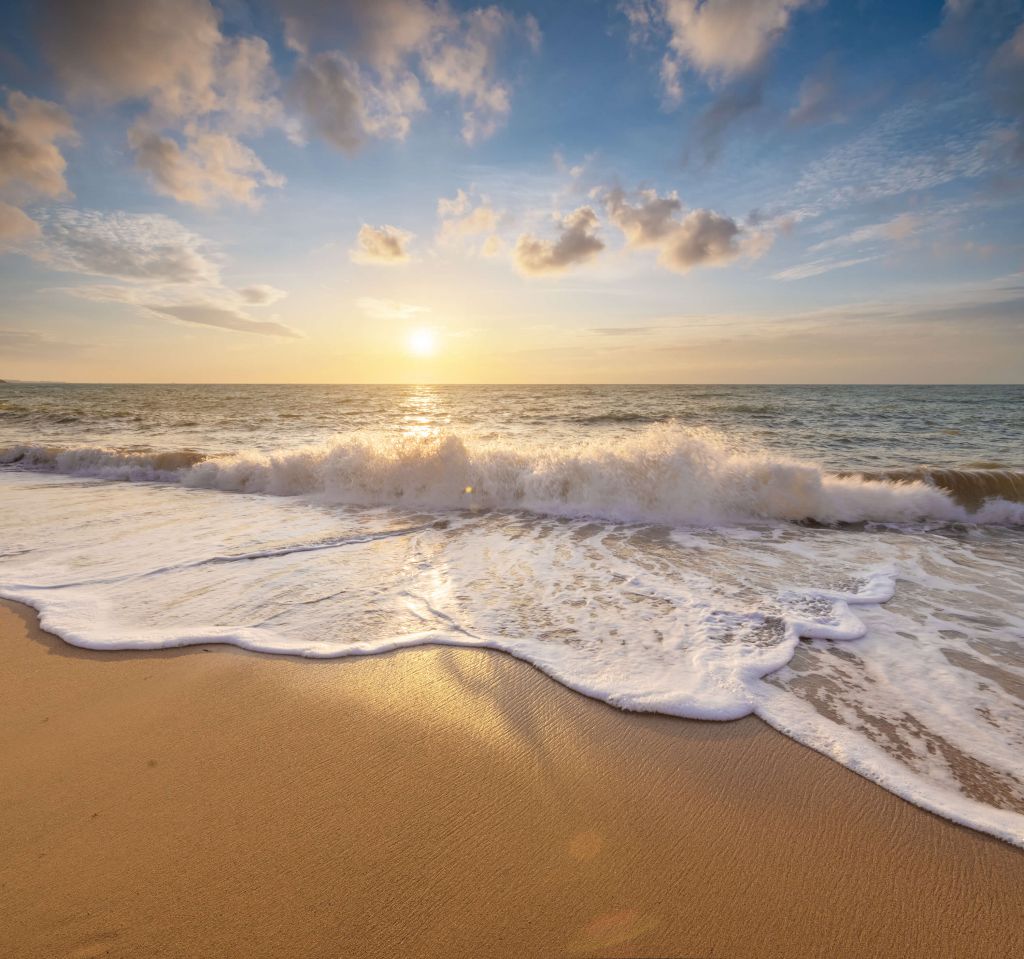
(403, 191)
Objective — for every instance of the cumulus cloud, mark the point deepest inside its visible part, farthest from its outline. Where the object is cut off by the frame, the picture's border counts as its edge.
(210, 168)
(700, 238)
(468, 220)
(720, 39)
(149, 247)
(30, 160)
(172, 58)
(383, 245)
(344, 107)
(465, 64)
(577, 242)
(261, 294)
(363, 64)
(113, 50)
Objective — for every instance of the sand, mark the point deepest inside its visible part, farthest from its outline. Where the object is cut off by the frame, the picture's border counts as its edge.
(444, 802)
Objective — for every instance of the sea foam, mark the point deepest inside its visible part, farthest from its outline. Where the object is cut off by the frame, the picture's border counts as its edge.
(663, 474)
(866, 644)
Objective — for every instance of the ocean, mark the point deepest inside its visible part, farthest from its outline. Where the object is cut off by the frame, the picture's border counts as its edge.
(844, 561)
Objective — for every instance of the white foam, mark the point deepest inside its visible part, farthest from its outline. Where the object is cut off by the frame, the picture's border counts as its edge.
(916, 694)
(664, 474)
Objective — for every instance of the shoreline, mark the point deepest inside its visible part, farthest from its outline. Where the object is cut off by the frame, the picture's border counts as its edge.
(445, 801)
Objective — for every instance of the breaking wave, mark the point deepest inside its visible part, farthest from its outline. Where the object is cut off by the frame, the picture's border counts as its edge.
(664, 474)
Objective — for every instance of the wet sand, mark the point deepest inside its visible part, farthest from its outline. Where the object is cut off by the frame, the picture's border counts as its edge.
(444, 802)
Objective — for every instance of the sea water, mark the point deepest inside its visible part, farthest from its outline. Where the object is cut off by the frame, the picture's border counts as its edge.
(844, 562)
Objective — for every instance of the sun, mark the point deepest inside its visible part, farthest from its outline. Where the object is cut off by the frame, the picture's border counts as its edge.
(422, 343)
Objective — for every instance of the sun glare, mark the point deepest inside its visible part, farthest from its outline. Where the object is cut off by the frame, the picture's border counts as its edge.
(422, 342)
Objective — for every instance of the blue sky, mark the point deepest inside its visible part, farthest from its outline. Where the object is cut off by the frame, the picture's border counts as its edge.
(649, 191)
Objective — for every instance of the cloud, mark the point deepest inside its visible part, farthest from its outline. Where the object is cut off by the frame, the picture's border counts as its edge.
(162, 267)
(899, 228)
(903, 151)
(344, 107)
(114, 50)
(700, 238)
(30, 160)
(173, 58)
(16, 227)
(226, 318)
(464, 220)
(465, 64)
(818, 99)
(378, 309)
(210, 306)
(149, 247)
(576, 243)
(261, 294)
(720, 39)
(816, 267)
(369, 59)
(211, 168)
(382, 34)
(383, 245)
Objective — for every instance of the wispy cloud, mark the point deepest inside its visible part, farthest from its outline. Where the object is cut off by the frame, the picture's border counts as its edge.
(164, 269)
(816, 267)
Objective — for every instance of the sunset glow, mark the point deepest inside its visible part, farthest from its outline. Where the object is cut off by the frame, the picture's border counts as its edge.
(422, 343)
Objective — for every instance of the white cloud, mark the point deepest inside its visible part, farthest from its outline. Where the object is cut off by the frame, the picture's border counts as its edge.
(163, 268)
(223, 317)
(465, 220)
(344, 107)
(816, 267)
(465, 64)
(899, 228)
(114, 50)
(577, 242)
(209, 169)
(149, 248)
(700, 238)
(173, 58)
(383, 245)
(368, 60)
(30, 160)
(720, 39)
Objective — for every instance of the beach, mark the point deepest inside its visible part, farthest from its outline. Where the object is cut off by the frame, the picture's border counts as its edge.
(438, 801)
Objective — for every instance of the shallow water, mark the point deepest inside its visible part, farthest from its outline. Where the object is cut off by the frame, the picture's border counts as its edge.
(700, 551)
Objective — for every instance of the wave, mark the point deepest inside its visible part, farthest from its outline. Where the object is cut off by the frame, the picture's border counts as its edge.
(970, 486)
(664, 474)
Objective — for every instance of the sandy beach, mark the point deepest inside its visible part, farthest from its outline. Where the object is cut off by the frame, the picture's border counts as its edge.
(442, 802)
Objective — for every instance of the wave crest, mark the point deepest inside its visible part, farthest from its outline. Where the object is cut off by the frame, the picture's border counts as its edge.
(665, 474)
